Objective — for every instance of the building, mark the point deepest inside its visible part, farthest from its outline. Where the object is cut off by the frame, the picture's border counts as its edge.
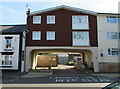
(108, 38)
(12, 51)
(68, 29)
(62, 29)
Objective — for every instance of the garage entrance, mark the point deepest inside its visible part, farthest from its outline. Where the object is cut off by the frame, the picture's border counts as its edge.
(79, 57)
(61, 59)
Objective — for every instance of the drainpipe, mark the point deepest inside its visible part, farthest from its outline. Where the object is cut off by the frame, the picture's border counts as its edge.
(28, 14)
(27, 27)
(101, 54)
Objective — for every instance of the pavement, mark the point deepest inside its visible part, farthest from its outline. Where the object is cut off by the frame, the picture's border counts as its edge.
(54, 86)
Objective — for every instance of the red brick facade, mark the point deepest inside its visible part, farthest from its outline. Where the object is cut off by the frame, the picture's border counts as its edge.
(62, 28)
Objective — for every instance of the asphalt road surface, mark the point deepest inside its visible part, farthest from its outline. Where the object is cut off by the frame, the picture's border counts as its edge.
(61, 76)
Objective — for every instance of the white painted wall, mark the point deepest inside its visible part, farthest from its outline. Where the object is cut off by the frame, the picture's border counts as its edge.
(15, 46)
(103, 42)
(79, 42)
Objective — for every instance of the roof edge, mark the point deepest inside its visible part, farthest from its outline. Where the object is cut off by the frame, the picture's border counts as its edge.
(109, 13)
(62, 7)
(70, 8)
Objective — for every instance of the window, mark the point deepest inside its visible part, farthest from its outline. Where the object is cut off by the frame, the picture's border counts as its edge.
(36, 35)
(80, 38)
(119, 35)
(118, 19)
(80, 22)
(7, 60)
(112, 35)
(8, 43)
(51, 19)
(36, 19)
(79, 19)
(80, 35)
(50, 35)
(112, 19)
(113, 51)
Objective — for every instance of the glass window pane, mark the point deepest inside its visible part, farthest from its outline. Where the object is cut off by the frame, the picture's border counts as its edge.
(108, 35)
(108, 20)
(118, 19)
(8, 43)
(79, 19)
(113, 51)
(36, 19)
(112, 20)
(2, 62)
(119, 52)
(86, 35)
(10, 62)
(36, 35)
(51, 19)
(80, 35)
(109, 52)
(114, 35)
(119, 35)
(51, 35)
(6, 60)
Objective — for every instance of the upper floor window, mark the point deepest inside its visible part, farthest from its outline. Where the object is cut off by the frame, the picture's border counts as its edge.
(119, 35)
(112, 35)
(80, 35)
(80, 22)
(36, 19)
(112, 19)
(80, 38)
(8, 43)
(114, 51)
(36, 35)
(50, 35)
(50, 19)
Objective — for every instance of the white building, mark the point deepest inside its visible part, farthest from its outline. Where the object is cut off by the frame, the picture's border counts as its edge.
(108, 38)
(13, 46)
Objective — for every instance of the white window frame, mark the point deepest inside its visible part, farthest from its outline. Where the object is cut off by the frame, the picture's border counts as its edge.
(80, 22)
(49, 35)
(111, 35)
(109, 19)
(36, 35)
(10, 60)
(36, 19)
(111, 50)
(51, 19)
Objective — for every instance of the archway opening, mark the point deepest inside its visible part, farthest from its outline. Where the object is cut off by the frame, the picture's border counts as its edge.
(61, 59)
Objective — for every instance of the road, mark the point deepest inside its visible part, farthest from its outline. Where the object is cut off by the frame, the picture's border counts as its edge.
(69, 78)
